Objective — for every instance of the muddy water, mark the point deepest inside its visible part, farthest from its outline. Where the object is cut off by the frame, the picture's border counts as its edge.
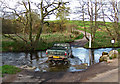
(39, 60)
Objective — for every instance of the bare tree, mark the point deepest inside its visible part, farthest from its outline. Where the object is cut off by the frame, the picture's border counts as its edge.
(90, 11)
(82, 11)
(62, 14)
(112, 8)
(45, 8)
(94, 8)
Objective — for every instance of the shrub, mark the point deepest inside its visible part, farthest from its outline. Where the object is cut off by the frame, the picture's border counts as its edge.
(75, 32)
(110, 57)
(118, 50)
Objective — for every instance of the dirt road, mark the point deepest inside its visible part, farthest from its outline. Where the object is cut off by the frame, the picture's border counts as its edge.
(81, 42)
(108, 76)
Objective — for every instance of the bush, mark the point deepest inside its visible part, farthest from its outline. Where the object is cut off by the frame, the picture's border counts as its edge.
(110, 57)
(118, 50)
(76, 32)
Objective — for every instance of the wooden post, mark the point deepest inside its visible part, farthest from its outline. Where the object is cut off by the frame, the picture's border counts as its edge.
(90, 41)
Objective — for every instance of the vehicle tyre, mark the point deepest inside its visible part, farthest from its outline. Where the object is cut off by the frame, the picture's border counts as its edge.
(71, 56)
(66, 62)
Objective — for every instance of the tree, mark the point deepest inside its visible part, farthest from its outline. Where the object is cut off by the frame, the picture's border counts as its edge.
(82, 11)
(94, 12)
(25, 17)
(62, 14)
(90, 11)
(114, 28)
(46, 12)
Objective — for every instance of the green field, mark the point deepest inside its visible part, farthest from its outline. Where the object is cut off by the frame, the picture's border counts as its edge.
(47, 41)
(103, 38)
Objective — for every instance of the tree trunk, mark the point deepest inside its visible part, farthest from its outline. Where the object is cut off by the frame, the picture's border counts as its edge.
(30, 26)
(95, 27)
(41, 26)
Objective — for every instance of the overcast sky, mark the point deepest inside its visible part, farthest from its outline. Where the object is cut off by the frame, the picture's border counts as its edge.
(72, 5)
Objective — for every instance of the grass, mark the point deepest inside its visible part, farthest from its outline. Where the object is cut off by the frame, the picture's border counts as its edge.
(47, 41)
(102, 37)
(119, 50)
(102, 40)
(80, 36)
(12, 46)
(9, 69)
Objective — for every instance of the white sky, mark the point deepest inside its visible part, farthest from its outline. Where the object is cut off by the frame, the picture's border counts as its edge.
(73, 4)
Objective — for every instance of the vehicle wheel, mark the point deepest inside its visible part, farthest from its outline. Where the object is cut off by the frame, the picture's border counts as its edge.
(71, 56)
(59, 63)
(66, 62)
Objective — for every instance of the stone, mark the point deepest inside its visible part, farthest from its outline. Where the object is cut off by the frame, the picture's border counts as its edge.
(86, 64)
(108, 58)
(37, 69)
(42, 79)
(113, 54)
(24, 66)
(44, 71)
(104, 53)
(30, 68)
(27, 67)
(20, 75)
(109, 61)
(29, 76)
(38, 77)
(103, 58)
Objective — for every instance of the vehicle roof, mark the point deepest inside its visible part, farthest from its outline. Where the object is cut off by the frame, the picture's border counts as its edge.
(61, 44)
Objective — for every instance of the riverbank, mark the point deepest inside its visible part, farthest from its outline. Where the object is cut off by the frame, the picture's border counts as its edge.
(102, 36)
(81, 76)
(47, 42)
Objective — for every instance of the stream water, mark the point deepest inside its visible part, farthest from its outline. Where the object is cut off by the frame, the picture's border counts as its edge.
(39, 59)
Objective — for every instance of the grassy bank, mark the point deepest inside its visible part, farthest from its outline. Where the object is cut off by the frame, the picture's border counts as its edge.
(103, 38)
(9, 69)
(119, 50)
(47, 41)
(80, 36)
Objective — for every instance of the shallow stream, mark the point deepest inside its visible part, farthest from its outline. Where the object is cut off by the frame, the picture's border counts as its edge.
(81, 60)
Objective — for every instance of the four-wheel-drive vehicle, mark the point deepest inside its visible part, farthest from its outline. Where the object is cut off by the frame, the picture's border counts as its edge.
(59, 52)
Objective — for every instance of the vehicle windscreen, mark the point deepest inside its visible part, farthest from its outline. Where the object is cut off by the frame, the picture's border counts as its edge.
(56, 53)
(59, 48)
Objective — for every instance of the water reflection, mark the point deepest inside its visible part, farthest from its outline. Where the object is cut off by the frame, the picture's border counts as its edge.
(91, 57)
(81, 55)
